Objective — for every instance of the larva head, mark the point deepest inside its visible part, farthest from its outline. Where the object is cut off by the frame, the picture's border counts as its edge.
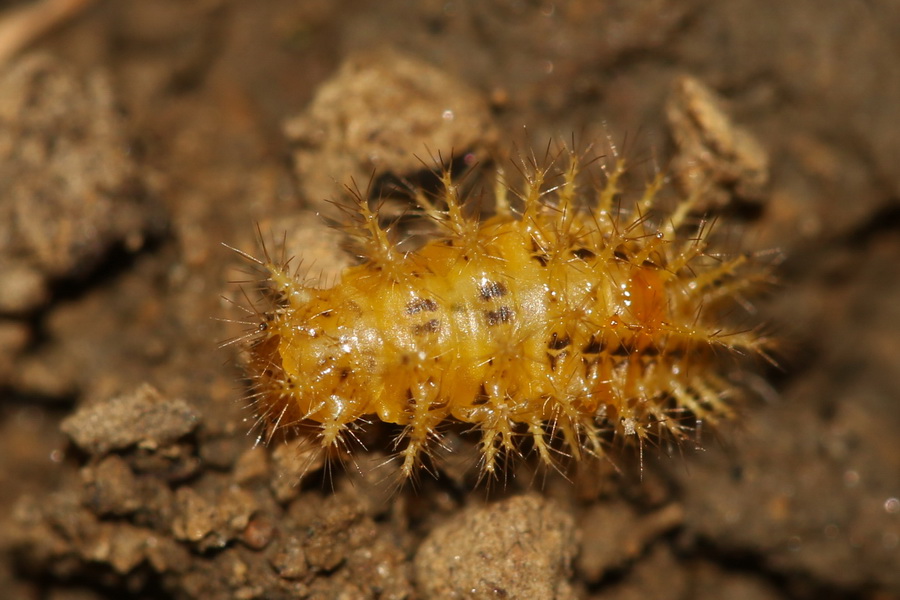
(304, 361)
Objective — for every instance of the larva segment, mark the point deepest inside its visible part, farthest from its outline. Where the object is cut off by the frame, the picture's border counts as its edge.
(564, 326)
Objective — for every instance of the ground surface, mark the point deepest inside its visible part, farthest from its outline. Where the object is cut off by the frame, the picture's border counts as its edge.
(138, 137)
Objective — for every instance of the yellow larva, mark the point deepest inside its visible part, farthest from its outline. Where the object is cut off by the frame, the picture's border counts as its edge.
(570, 318)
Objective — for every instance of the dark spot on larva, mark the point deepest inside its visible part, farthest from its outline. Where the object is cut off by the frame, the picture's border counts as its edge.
(650, 350)
(421, 304)
(428, 327)
(538, 253)
(262, 327)
(594, 346)
(650, 263)
(621, 350)
(492, 289)
(326, 313)
(558, 343)
(620, 255)
(481, 398)
(345, 373)
(552, 358)
(583, 253)
(502, 315)
(590, 366)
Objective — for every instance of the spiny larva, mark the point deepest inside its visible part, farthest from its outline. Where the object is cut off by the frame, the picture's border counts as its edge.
(572, 317)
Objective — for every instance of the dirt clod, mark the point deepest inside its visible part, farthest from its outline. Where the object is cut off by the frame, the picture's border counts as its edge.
(212, 522)
(69, 187)
(715, 158)
(143, 418)
(519, 548)
(614, 534)
(382, 113)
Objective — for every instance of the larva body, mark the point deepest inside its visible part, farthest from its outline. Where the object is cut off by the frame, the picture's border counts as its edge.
(554, 322)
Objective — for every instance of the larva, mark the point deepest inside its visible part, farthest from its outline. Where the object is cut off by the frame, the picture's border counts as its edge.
(568, 319)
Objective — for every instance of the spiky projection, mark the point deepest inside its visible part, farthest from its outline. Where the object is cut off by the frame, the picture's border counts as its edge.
(569, 319)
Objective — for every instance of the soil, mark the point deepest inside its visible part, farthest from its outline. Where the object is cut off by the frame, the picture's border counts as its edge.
(139, 137)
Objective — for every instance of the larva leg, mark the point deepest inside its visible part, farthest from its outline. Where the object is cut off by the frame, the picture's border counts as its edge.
(421, 426)
(590, 437)
(496, 439)
(331, 431)
(539, 439)
(569, 424)
(570, 436)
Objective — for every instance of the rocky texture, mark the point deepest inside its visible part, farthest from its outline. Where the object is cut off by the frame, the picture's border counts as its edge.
(69, 185)
(383, 113)
(518, 548)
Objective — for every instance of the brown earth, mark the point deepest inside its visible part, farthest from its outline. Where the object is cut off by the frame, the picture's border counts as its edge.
(139, 136)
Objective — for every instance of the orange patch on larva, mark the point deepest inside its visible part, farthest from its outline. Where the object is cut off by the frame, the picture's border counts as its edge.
(569, 322)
